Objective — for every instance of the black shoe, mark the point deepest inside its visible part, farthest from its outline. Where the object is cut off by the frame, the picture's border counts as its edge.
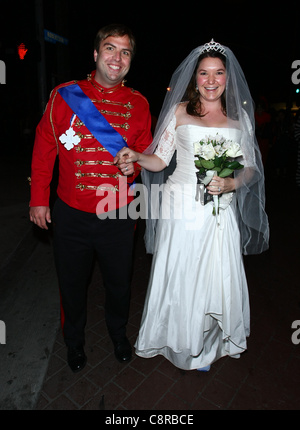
(123, 350)
(76, 358)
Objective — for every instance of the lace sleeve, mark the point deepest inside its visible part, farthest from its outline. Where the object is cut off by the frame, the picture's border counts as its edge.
(166, 146)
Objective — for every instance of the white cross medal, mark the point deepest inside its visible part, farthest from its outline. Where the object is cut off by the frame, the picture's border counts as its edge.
(70, 138)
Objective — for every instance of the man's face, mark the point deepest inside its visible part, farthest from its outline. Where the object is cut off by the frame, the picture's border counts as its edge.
(112, 61)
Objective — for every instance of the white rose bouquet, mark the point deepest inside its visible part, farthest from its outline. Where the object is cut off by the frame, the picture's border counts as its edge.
(215, 156)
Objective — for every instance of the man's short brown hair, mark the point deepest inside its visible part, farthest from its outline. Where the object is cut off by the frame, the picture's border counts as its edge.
(114, 30)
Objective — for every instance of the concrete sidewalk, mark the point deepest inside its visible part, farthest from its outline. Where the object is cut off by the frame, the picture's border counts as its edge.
(29, 306)
(29, 301)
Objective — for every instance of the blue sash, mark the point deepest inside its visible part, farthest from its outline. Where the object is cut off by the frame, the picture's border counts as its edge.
(84, 108)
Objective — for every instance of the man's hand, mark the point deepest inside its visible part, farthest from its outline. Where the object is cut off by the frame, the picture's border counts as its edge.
(40, 215)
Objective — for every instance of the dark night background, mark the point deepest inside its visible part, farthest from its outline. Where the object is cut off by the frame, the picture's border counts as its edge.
(265, 37)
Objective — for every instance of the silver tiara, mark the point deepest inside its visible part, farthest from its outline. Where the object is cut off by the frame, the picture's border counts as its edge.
(213, 46)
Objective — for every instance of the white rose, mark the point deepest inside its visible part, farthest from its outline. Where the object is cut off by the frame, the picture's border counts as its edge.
(218, 138)
(207, 152)
(197, 148)
(219, 149)
(234, 150)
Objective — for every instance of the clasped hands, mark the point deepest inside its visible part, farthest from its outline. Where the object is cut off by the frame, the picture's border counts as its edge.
(125, 159)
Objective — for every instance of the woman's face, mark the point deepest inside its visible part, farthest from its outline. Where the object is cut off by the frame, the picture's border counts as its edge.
(211, 79)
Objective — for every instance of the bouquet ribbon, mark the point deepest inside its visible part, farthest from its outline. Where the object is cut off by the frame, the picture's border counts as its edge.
(201, 191)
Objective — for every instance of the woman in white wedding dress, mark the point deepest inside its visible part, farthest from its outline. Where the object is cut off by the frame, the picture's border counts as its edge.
(197, 307)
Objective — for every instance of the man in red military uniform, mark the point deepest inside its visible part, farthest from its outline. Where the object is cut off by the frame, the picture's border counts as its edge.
(86, 123)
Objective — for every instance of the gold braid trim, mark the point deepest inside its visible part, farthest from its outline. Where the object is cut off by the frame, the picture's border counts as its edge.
(93, 163)
(79, 174)
(83, 187)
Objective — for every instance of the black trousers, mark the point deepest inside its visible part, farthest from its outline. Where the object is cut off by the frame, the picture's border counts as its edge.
(78, 237)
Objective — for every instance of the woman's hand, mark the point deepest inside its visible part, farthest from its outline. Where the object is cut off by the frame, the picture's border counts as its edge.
(219, 185)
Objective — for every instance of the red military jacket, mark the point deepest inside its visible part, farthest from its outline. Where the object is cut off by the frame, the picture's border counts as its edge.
(86, 171)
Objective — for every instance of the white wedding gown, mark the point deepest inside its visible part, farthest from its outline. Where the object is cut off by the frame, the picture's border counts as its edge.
(197, 307)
